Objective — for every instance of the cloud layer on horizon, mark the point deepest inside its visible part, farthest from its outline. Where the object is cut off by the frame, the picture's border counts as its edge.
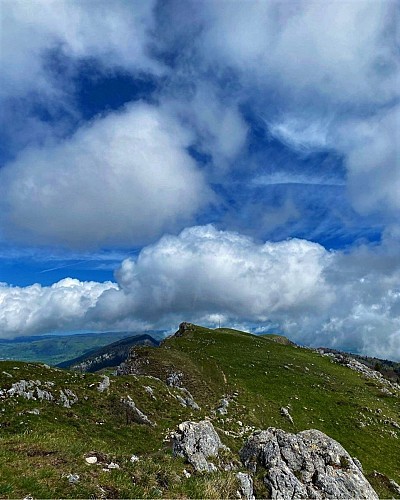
(204, 275)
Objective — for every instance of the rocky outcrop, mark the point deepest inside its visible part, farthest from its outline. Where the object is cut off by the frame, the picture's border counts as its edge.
(67, 398)
(197, 442)
(353, 364)
(134, 414)
(305, 465)
(183, 328)
(223, 406)
(37, 390)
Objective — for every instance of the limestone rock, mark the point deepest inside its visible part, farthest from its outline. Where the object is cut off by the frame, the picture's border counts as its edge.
(196, 442)
(246, 486)
(67, 398)
(223, 406)
(183, 328)
(285, 413)
(305, 465)
(186, 399)
(104, 384)
(138, 415)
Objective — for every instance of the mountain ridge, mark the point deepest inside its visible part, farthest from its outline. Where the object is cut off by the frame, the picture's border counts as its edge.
(55, 420)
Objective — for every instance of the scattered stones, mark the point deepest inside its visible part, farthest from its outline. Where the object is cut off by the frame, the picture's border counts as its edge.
(104, 384)
(186, 474)
(305, 465)
(112, 465)
(134, 459)
(359, 367)
(246, 486)
(196, 442)
(91, 460)
(73, 478)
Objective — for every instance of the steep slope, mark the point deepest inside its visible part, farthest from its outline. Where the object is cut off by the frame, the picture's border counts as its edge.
(110, 355)
(237, 381)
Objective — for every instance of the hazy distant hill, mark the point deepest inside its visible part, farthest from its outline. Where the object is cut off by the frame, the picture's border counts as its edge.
(108, 356)
(54, 349)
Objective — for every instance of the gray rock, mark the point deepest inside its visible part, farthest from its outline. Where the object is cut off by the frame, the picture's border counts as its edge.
(223, 406)
(174, 379)
(196, 442)
(104, 384)
(67, 398)
(305, 465)
(285, 413)
(73, 478)
(138, 415)
(186, 399)
(246, 486)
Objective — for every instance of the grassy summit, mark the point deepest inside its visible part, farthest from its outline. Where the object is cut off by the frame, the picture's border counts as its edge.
(46, 441)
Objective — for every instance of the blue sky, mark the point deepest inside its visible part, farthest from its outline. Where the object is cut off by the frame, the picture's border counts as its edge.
(201, 161)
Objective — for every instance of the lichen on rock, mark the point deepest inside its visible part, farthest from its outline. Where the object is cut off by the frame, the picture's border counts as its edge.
(305, 465)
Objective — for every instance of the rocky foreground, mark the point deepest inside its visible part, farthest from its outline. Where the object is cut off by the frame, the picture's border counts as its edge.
(305, 465)
(208, 414)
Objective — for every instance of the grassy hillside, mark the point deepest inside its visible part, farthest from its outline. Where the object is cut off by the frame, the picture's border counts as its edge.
(256, 374)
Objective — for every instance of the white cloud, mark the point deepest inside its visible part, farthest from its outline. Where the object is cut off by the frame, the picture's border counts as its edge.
(373, 161)
(116, 37)
(123, 179)
(220, 128)
(345, 300)
(331, 69)
(36, 309)
(336, 52)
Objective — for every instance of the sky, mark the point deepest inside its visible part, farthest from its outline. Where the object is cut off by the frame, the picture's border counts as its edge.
(230, 162)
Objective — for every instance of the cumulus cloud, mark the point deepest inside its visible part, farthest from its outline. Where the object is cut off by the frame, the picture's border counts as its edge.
(317, 297)
(37, 309)
(123, 180)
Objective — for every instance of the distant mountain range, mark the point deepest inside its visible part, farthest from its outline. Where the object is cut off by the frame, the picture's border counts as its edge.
(55, 349)
(110, 355)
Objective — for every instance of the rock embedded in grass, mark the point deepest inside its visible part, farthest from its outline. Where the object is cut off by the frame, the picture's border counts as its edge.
(305, 465)
(197, 441)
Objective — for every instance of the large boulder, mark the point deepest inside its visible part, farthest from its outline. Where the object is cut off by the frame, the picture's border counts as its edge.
(305, 465)
(197, 441)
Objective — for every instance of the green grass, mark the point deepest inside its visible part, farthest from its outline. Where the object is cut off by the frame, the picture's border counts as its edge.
(265, 374)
